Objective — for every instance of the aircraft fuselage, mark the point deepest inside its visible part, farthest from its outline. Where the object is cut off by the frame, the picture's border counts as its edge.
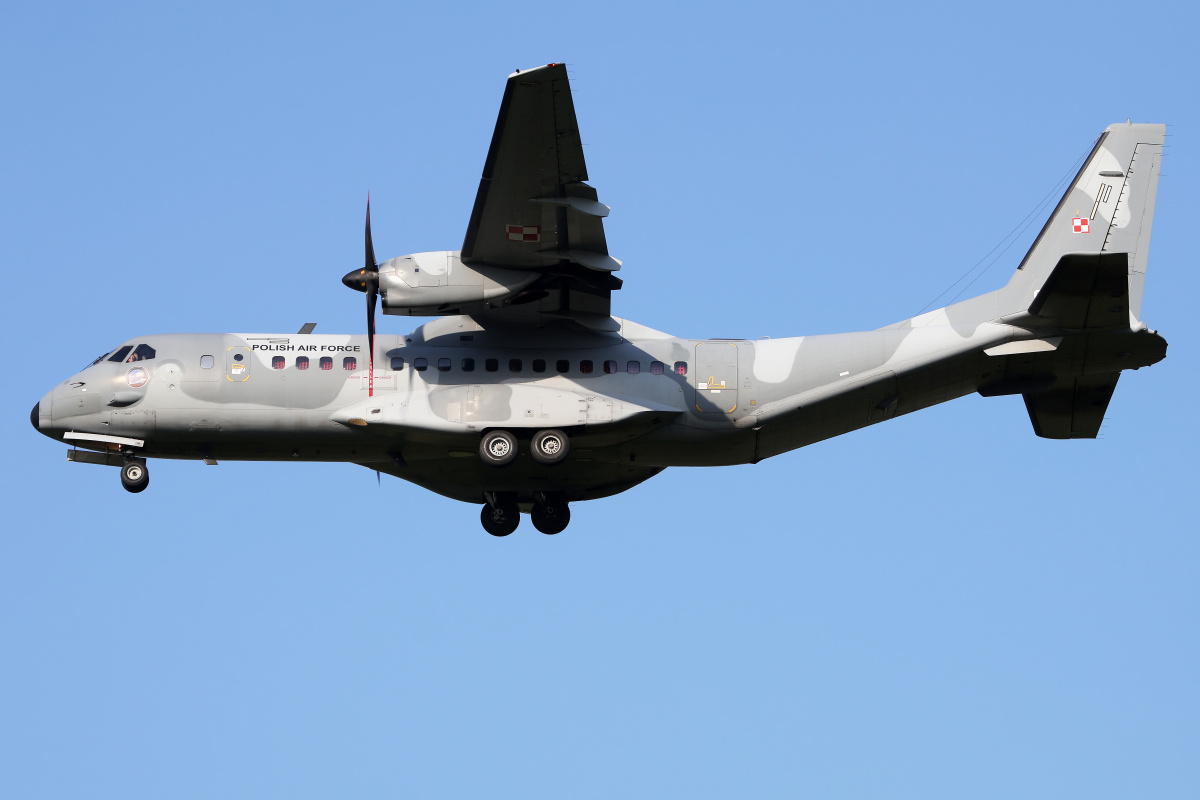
(632, 402)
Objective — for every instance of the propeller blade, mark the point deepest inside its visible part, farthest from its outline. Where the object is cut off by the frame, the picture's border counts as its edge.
(372, 264)
(371, 271)
(366, 280)
(362, 279)
(372, 294)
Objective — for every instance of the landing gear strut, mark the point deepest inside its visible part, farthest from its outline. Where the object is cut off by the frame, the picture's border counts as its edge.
(550, 514)
(134, 475)
(500, 516)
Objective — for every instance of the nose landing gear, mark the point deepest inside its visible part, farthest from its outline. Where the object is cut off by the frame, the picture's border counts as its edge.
(134, 475)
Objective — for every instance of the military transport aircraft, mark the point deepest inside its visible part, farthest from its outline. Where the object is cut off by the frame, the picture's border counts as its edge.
(525, 394)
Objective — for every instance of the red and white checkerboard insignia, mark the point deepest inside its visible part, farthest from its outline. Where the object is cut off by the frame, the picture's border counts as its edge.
(1080, 225)
(524, 233)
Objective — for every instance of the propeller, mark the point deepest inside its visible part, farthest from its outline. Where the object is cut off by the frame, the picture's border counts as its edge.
(366, 280)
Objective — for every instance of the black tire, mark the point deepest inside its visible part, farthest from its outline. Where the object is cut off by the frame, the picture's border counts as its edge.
(498, 448)
(551, 518)
(134, 476)
(549, 446)
(500, 519)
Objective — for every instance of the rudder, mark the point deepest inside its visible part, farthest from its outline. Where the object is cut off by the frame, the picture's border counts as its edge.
(1108, 209)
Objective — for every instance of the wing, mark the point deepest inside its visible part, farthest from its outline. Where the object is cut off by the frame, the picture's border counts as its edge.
(534, 210)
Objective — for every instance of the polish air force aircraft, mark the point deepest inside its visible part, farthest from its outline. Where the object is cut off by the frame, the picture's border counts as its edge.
(525, 394)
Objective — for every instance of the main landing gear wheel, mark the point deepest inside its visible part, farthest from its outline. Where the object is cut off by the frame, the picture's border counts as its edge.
(498, 448)
(549, 447)
(500, 518)
(134, 476)
(551, 516)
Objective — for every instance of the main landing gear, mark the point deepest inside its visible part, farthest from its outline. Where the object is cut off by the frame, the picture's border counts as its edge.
(498, 448)
(501, 515)
(134, 475)
(550, 514)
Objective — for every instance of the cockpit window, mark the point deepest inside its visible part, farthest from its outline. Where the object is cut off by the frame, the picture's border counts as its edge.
(119, 356)
(144, 352)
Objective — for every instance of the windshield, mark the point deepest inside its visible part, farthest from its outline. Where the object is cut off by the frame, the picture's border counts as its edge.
(144, 352)
(101, 357)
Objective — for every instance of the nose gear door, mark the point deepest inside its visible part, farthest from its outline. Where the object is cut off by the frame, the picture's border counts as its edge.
(716, 377)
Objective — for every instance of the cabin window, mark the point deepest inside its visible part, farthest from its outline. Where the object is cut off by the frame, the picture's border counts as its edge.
(443, 365)
(562, 366)
(491, 365)
(206, 362)
(539, 365)
(420, 364)
(585, 367)
(657, 367)
(326, 362)
(468, 365)
(681, 368)
(514, 365)
(119, 356)
(144, 352)
(349, 362)
(610, 367)
(633, 367)
(278, 362)
(398, 363)
(301, 362)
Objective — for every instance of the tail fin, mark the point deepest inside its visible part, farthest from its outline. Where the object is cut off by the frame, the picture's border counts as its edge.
(1108, 209)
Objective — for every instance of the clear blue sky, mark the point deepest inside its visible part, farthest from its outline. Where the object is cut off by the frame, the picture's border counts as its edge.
(944, 606)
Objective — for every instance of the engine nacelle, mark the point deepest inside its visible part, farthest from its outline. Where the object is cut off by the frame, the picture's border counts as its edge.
(433, 284)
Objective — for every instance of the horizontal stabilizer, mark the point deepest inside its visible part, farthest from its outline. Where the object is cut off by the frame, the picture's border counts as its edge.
(1086, 290)
(1073, 410)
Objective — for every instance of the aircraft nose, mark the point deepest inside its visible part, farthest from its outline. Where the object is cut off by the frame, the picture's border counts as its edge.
(42, 417)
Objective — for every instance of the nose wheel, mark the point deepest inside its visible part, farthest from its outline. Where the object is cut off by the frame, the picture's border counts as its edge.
(134, 475)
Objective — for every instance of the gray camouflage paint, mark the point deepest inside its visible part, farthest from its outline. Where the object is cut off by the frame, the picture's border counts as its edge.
(771, 395)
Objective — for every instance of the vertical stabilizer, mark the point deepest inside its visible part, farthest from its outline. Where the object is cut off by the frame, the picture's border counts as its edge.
(1108, 209)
